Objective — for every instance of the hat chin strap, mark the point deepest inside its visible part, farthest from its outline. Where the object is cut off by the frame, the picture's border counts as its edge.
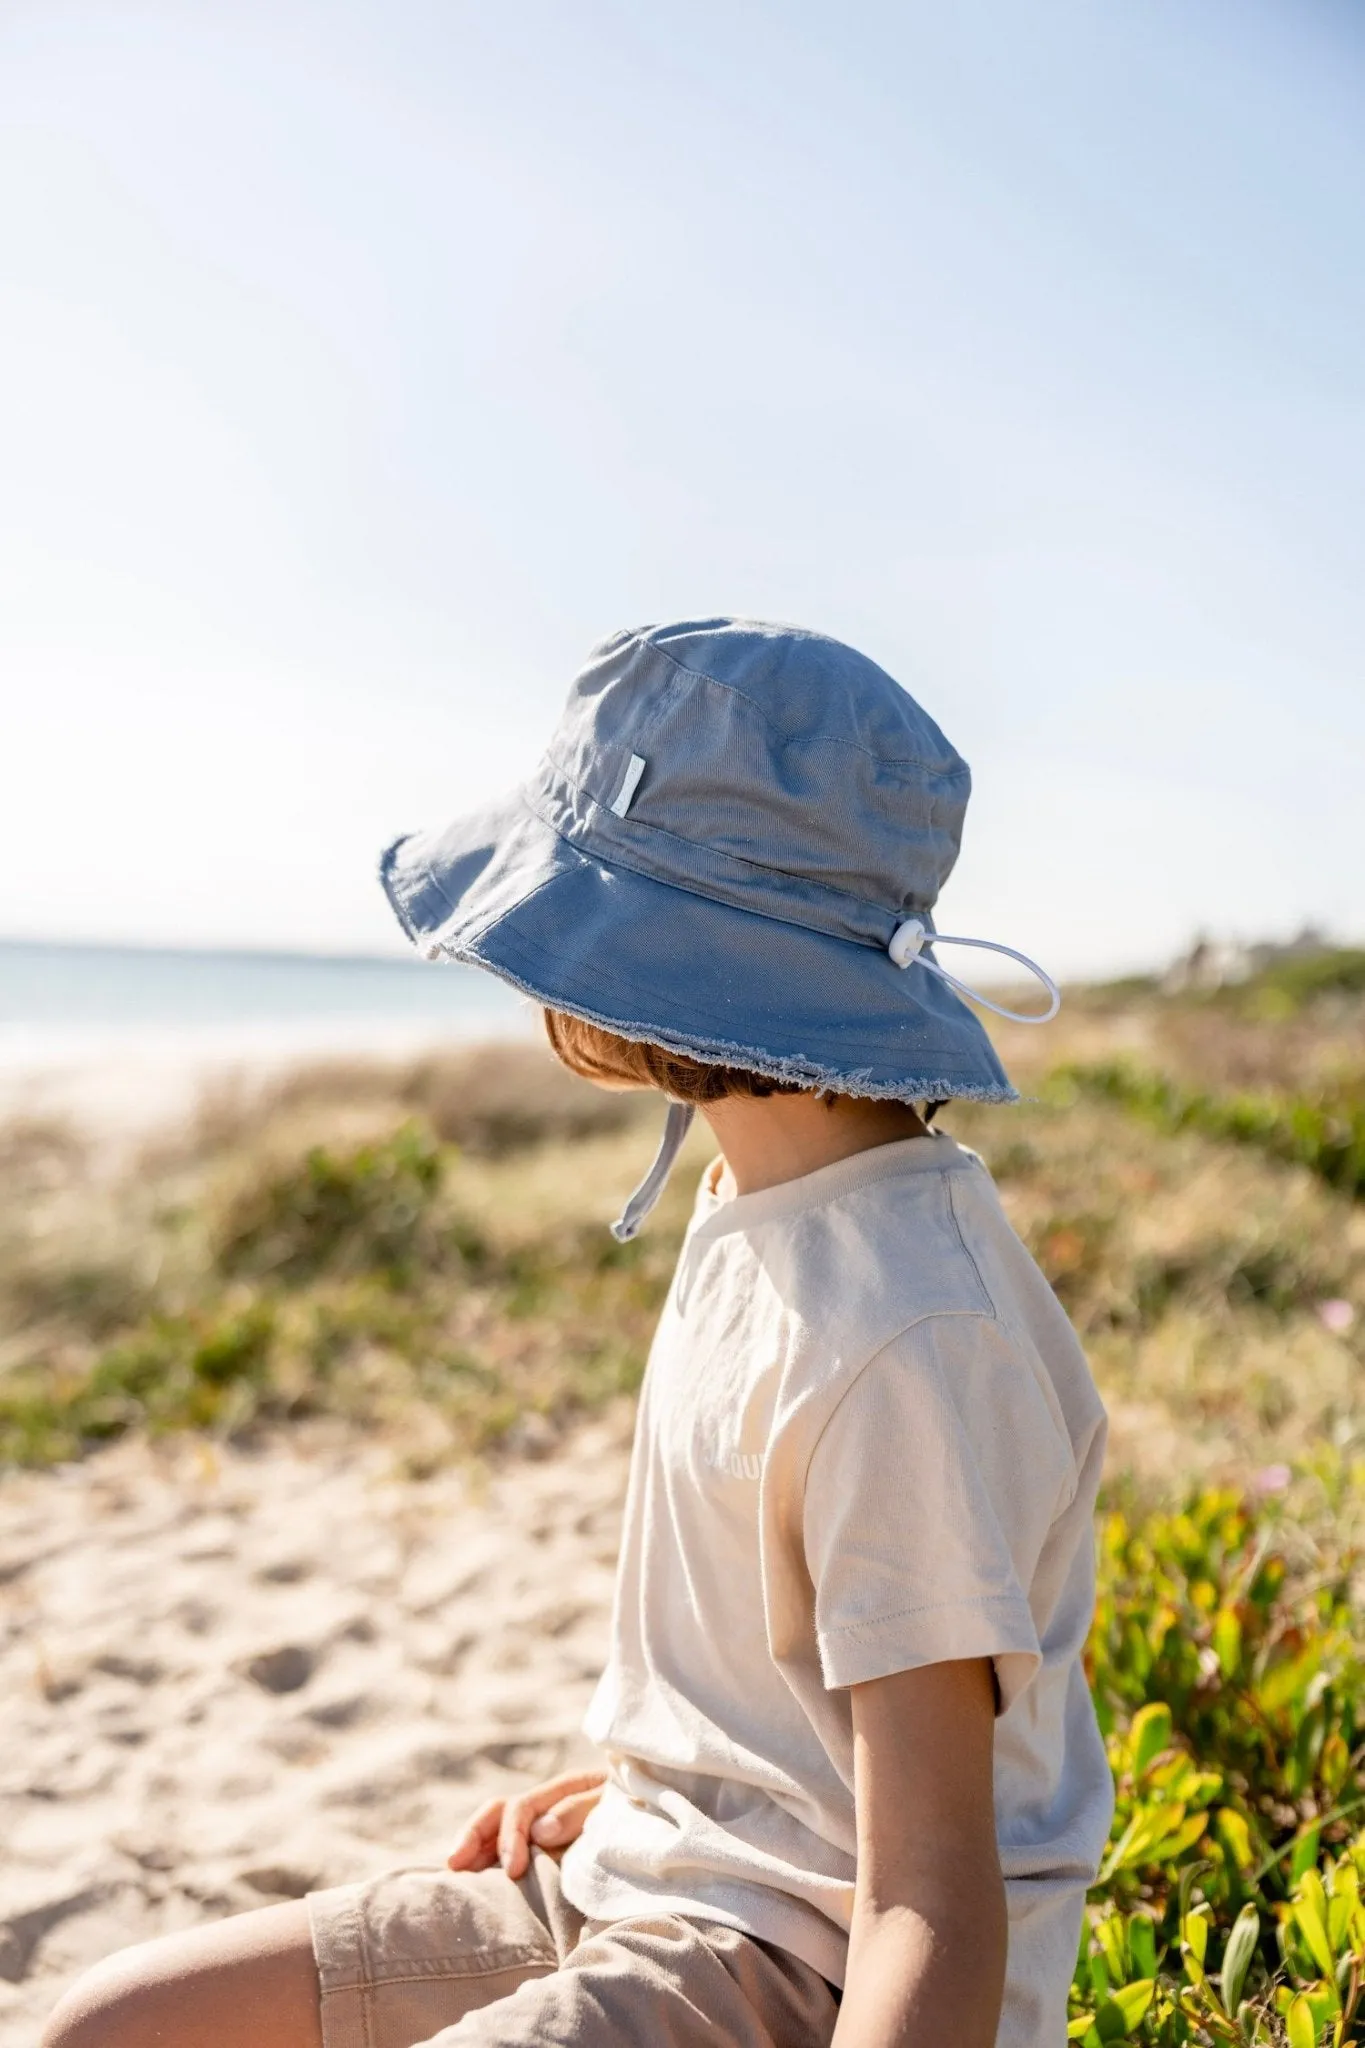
(677, 1124)
(909, 939)
(907, 946)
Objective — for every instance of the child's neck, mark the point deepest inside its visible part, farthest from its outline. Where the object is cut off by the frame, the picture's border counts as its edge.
(770, 1139)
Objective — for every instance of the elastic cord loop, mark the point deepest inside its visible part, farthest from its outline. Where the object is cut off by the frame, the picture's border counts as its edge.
(677, 1124)
(907, 944)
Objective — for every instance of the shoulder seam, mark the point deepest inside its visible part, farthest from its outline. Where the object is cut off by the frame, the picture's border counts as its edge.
(933, 1315)
(967, 1251)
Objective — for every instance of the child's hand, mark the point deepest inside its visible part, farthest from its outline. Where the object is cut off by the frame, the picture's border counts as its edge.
(550, 1815)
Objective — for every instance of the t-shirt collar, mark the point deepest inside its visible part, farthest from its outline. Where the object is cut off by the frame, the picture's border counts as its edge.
(934, 1152)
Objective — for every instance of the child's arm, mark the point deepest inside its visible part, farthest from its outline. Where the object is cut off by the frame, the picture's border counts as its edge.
(926, 1961)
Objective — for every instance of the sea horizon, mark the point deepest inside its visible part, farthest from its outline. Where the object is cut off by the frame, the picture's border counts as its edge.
(124, 1035)
(91, 984)
(13, 942)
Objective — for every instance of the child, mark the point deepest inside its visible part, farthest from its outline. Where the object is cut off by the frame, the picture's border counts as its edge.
(854, 1790)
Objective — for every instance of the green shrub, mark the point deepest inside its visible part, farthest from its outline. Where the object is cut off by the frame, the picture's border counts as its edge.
(1303, 978)
(368, 1210)
(1324, 1132)
(98, 1295)
(1229, 1687)
(342, 1278)
(493, 1101)
(193, 1371)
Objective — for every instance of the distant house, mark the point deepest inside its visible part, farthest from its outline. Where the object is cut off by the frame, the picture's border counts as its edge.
(1221, 963)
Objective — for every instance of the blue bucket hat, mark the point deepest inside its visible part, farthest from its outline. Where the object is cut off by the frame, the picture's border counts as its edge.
(732, 848)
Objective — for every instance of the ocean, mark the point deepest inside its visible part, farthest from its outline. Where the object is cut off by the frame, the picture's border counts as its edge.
(127, 987)
(131, 1031)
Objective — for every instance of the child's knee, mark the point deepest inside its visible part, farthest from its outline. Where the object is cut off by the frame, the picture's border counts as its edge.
(246, 1982)
(105, 2008)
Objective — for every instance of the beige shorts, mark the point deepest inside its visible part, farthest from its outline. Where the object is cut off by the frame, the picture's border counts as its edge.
(431, 1956)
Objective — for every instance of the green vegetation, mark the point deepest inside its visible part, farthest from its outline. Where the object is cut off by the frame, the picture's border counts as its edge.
(323, 1251)
(1228, 1666)
(1272, 994)
(1324, 1132)
(1299, 980)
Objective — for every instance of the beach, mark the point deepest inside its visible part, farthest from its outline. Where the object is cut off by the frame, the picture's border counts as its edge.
(119, 1040)
(231, 1674)
(234, 1676)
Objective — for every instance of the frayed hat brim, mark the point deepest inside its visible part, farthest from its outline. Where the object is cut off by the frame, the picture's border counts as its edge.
(655, 962)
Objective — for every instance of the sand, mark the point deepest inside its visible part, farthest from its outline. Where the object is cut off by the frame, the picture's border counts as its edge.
(231, 1676)
(118, 1086)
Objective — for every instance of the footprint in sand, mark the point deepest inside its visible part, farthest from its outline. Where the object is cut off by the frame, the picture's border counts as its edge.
(282, 1670)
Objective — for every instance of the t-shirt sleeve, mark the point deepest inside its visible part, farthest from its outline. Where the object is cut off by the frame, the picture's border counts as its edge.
(928, 1499)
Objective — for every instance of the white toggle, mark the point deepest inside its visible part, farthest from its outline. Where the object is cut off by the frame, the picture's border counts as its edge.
(907, 945)
(906, 941)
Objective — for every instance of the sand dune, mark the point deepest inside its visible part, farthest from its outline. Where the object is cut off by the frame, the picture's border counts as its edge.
(230, 1676)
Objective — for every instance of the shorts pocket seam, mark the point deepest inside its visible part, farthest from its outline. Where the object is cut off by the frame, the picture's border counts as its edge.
(421, 1969)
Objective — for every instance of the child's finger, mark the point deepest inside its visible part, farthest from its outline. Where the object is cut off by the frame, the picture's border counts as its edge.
(564, 1822)
(474, 1850)
(501, 1830)
(481, 1856)
(517, 1816)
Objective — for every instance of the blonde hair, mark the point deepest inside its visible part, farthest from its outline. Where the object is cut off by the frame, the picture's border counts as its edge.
(602, 1056)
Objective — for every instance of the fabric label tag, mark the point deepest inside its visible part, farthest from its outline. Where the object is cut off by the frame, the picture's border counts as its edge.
(630, 782)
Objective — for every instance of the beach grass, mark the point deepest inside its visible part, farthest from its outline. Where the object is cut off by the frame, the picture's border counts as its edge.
(421, 1246)
(416, 1248)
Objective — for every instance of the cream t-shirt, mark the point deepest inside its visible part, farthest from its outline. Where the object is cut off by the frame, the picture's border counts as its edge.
(868, 1440)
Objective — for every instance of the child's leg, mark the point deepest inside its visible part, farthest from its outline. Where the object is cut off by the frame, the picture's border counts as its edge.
(249, 1982)
(424, 1956)
(386, 1964)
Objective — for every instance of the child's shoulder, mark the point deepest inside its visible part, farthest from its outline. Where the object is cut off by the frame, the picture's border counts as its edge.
(879, 1243)
(912, 1239)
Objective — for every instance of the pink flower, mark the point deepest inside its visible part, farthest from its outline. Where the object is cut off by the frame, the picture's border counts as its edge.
(1271, 1479)
(1336, 1316)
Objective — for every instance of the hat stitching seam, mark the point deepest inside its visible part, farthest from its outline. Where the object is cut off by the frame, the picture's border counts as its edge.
(759, 867)
(796, 739)
(388, 861)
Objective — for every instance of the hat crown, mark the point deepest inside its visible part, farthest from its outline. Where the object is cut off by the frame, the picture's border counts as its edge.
(811, 686)
(782, 771)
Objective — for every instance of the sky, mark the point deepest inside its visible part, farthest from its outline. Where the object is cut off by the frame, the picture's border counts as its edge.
(363, 363)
